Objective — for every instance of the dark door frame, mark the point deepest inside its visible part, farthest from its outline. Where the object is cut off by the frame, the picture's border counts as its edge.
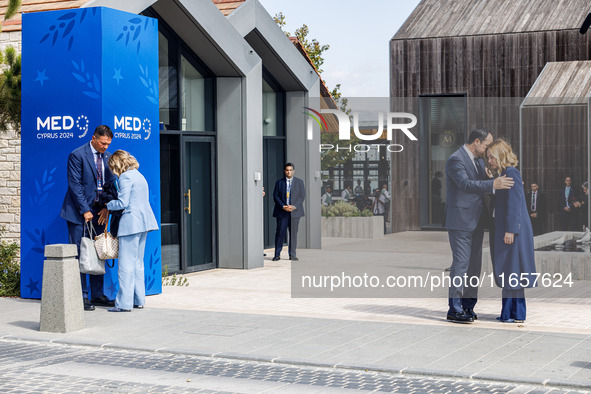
(425, 159)
(184, 222)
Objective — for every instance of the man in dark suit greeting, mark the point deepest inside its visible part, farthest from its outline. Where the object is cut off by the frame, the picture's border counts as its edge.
(465, 217)
(289, 194)
(86, 201)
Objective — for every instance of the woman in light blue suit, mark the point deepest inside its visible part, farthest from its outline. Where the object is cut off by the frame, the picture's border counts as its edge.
(137, 220)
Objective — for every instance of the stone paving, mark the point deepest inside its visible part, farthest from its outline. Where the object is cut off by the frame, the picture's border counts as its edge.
(251, 316)
(33, 367)
(268, 291)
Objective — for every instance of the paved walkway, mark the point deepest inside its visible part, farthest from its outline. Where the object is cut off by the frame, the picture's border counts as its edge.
(251, 315)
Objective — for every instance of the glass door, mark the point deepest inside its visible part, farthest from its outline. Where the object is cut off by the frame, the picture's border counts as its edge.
(443, 130)
(199, 203)
(273, 161)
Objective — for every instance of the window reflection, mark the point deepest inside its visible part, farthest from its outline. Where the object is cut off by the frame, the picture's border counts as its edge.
(168, 84)
(193, 97)
(273, 111)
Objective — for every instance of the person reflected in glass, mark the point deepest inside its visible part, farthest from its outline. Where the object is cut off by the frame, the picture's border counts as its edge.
(437, 206)
(358, 189)
(136, 221)
(582, 206)
(513, 249)
(327, 197)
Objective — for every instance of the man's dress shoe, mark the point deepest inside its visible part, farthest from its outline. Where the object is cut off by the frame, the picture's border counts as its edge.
(470, 312)
(88, 306)
(459, 317)
(275, 258)
(103, 301)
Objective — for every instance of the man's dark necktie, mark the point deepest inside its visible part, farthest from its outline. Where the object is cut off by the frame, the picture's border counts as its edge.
(99, 172)
(478, 170)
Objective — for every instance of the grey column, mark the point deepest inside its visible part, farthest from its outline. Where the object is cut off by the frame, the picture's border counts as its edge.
(240, 157)
(230, 179)
(306, 158)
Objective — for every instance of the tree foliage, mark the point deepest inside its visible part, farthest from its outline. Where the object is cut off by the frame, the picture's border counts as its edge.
(312, 47)
(10, 79)
(10, 90)
(315, 50)
(11, 10)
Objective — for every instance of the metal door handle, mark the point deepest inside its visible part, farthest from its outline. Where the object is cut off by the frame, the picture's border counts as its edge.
(189, 196)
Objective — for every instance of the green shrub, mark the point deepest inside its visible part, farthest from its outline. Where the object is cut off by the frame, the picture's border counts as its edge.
(10, 270)
(342, 208)
(366, 213)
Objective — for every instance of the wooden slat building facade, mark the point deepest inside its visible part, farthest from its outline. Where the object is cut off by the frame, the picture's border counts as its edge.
(488, 54)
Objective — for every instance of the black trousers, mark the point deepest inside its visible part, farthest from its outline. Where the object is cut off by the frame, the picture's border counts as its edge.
(283, 224)
(569, 221)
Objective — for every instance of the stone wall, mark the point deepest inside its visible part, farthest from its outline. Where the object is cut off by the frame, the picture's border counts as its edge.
(10, 185)
(353, 227)
(10, 166)
(11, 38)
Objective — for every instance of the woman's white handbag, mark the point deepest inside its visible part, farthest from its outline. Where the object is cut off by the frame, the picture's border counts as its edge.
(89, 261)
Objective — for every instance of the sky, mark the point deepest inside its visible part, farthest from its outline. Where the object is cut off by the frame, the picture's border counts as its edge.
(358, 32)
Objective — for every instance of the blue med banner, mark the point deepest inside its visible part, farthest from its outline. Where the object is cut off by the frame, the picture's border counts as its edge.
(82, 68)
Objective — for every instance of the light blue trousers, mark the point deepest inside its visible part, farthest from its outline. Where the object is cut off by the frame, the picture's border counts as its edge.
(132, 290)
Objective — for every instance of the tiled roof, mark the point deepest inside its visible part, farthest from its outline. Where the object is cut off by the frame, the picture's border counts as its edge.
(227, 6)
(451, 18)
(15, 24)
(324, 92)
(326, 99)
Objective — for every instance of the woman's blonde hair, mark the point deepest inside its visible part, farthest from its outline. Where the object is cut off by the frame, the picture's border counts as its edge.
(121, 161)
(503, 152)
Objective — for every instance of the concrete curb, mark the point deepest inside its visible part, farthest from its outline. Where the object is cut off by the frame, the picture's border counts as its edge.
(408, 372)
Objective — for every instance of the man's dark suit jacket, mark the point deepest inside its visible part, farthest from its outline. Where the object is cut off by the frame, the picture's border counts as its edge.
(537, 223)
(572, 197)
(465, 190)
(82, 176)
(298, 195)
(540, 204)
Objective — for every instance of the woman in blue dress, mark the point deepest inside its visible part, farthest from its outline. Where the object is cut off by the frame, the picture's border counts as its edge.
(513, 246)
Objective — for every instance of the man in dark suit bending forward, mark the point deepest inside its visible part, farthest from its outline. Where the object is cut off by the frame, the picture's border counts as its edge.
(465, 216)
(86, 200)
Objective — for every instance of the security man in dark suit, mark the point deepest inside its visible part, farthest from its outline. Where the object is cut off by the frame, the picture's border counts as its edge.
(465, 219)
(289, 194)
(85, 201)
(536, 208)
(566, 200)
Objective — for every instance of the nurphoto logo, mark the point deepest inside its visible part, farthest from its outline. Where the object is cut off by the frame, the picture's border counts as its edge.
(392, 123)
